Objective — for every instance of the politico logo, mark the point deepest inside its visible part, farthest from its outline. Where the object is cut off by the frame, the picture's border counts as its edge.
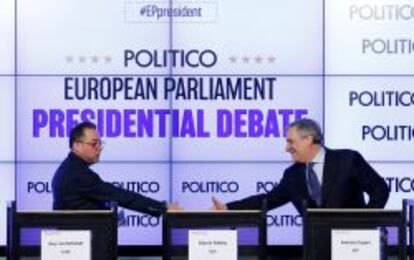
(265, 186)
(400, 184)
(139, 186)
(284, 220)
(210, 187)
(39, 187)
(137, 220)
(135, 186)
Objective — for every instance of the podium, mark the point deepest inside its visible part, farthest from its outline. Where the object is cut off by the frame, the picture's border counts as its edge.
(318, 223)
(252, 223)
(408, 211)
(101, 223)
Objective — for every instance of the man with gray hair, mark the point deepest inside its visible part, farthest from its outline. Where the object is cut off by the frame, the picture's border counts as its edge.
(323, 177)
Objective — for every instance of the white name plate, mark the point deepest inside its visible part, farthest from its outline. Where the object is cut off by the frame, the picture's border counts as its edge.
(65, 245)
(212, 245)
(355, 244)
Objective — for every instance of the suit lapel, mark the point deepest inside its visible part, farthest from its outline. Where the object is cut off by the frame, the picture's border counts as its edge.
(328, 176)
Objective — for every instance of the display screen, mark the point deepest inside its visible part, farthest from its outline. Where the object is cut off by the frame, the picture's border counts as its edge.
(192, 98)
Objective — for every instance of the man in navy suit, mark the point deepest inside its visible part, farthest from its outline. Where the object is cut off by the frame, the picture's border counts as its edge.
(77, 187)
(342, 175)
(322, 177)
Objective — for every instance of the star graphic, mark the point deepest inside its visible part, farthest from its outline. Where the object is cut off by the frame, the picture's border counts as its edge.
(108, 59)
(271, 59)
(82, 59)
(95, 59)
(246, 59)
(258, 59)
(233, 59)
(69, 59)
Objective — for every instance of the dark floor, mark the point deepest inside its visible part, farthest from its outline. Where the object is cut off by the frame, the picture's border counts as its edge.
(158, 258)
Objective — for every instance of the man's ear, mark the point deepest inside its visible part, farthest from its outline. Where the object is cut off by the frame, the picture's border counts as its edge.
(310, 140)
(76, 146)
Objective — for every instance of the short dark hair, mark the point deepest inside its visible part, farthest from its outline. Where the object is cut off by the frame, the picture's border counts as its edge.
(76, 134)
(308, 127)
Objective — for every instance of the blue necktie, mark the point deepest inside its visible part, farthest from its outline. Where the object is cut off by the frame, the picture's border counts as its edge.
(313, 184)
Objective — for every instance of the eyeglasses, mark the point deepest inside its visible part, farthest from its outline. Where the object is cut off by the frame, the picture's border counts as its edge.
(96, 144)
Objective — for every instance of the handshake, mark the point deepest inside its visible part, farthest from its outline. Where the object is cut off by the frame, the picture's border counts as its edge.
(217, 205)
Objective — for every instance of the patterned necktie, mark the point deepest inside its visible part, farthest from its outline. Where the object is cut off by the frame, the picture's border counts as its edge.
(313, 184)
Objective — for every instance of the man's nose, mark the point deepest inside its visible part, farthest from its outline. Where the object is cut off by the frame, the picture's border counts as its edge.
(287, 148)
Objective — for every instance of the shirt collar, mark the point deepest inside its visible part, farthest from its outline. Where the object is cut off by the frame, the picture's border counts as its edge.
(77, 158)
(320, 156)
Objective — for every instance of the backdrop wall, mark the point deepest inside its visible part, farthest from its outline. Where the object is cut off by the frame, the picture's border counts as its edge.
(192, 97)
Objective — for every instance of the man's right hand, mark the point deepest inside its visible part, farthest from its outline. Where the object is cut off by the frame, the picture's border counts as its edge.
(217, 204)
(174, 206)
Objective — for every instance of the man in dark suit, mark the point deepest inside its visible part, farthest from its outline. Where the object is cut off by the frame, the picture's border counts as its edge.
(322, 177)
(77, 187)
(342, 176)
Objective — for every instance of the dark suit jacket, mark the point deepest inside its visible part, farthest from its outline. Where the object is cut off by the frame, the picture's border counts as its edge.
(76, 187)
(346, 176)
